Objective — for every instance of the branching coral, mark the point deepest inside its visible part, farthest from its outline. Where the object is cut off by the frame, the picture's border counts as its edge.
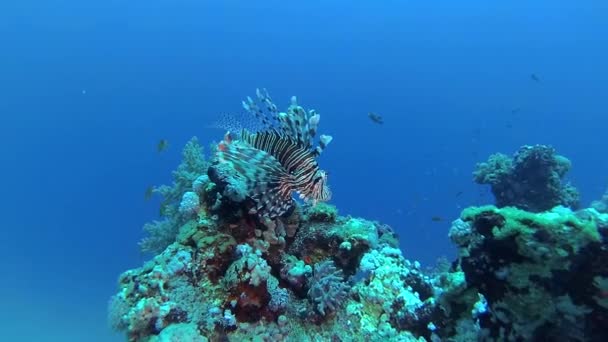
(327, 287)
(160, 234)
(180, 202)
(192, 166)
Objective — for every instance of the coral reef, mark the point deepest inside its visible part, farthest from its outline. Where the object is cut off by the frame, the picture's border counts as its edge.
(181, 200)
(601, 205)
(327, 289)
(543, 274)
(233, 266)
(530, 180)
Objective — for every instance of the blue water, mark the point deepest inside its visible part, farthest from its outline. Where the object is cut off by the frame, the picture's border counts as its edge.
(89, 87)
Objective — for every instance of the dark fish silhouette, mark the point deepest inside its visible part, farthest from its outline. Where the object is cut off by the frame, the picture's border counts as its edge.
(436, 219)
(376, 118)
(149, 193)
(534, 78)
(162, 145)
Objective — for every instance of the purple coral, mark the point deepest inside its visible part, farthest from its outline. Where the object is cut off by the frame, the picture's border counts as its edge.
(328, 288)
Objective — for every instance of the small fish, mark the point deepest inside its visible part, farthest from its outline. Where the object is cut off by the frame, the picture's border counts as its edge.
(436, 219)
(459, 193)
(534, 78)
(375, 118)
(515, 110)
(162, 145)
(149, 193)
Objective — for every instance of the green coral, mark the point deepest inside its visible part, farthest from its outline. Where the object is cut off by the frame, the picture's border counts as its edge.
(516, 258)
(192, 166)
(322, 212)
(560, 228)
(547, 240)
(356, 231)
(161, 233)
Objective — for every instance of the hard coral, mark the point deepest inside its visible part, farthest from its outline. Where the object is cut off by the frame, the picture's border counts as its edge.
(537, 272)
(328, 288)
(322, 212)
(531, 180)
(179, 202)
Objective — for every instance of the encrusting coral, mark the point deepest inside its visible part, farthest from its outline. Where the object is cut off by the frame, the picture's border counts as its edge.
(538, 271)
(239, 260)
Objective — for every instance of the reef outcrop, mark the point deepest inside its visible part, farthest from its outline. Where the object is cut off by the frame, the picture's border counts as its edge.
(232, 264)
(531, 180)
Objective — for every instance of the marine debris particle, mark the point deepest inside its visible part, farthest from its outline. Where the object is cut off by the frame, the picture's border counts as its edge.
(375, 118)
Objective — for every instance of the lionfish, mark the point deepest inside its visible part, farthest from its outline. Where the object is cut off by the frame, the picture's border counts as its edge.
(279, 159)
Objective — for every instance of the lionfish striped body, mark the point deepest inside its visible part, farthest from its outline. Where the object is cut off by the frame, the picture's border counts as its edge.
(279, 159)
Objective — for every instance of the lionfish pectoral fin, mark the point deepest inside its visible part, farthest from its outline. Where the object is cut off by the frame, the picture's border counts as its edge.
(273, 200)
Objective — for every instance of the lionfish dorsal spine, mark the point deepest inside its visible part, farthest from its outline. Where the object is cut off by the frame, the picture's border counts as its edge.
(324, 140)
